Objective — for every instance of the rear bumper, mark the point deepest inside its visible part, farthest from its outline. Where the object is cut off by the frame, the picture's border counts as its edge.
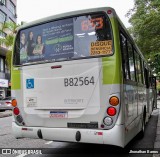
(114, 136)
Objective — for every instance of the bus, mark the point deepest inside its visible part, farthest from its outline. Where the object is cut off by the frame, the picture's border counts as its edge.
(79, 77)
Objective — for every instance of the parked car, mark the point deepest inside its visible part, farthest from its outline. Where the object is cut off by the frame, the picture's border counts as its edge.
(5, 104)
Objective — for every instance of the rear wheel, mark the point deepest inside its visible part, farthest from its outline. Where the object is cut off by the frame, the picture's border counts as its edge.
(141, 133)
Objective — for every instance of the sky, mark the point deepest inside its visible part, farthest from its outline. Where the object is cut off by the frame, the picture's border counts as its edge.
(30, 10)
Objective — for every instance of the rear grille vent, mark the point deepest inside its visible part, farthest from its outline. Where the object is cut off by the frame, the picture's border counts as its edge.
(83, 125)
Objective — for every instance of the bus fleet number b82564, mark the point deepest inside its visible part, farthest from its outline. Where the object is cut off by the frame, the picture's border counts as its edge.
(79, 81)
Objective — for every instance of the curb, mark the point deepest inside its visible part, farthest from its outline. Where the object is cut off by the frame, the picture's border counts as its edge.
(157, 140)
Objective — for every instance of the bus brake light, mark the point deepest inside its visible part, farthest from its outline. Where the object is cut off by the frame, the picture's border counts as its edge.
(111, 111)
(16, 111)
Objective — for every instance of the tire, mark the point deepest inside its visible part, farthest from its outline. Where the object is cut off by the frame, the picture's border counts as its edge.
(141, 133)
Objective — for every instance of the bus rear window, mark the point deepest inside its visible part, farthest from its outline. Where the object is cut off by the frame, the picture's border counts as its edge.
(66, 39)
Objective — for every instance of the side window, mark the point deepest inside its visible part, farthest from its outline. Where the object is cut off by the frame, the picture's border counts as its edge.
(146, 74)
(142, 70)
(125, 62)
(2, 17)
(144, 80)
(150, 79)
(131, 61)
(153, 82)
(138, 67)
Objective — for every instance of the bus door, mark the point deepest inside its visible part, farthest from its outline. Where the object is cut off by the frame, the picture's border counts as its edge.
(154, 91)
(146, 75)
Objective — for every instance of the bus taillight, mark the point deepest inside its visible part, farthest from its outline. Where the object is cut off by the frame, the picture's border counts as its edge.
(108, 121)
(111, 111)
(16, 111)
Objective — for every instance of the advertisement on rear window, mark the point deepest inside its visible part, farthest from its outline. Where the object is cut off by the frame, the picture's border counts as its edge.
(48, 41)
(66, 39)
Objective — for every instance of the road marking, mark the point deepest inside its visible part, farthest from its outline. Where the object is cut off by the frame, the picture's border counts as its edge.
(49, 142)
(21, 155)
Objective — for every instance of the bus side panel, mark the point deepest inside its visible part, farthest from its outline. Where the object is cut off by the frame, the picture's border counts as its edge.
(15, 79)
(135, 100)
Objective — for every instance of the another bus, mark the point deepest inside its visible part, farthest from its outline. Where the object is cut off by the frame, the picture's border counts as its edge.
(79, 77)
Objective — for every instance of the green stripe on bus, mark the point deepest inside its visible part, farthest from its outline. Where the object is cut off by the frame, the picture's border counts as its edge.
(112, 73)
(15, 75)
(16, 80)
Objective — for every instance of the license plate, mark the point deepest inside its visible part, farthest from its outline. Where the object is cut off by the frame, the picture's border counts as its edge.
(62, 115)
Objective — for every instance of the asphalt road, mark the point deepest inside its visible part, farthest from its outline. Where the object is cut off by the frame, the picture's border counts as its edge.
(64, 149)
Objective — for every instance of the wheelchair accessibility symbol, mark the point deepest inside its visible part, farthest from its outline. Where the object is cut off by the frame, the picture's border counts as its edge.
(30, 83)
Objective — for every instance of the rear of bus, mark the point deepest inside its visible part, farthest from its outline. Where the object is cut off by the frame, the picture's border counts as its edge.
(67, 86)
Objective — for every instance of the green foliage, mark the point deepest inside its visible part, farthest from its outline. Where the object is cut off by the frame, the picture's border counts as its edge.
(145, 17)
(10, 29)
(8, 59)
(158, 86)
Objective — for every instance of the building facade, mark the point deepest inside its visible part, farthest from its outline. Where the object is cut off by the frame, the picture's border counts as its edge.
(7, 13)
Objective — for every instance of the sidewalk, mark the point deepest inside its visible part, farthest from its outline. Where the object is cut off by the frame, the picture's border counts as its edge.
(157, 140)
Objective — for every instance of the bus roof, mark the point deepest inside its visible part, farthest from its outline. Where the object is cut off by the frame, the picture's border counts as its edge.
(79, 12)
(67, 14)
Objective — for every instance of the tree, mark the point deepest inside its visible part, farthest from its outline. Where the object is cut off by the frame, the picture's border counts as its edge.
(144, 18)
(158, 86)
(10, 29)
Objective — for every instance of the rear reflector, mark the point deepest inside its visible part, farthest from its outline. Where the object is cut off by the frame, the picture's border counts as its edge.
(56, 66)
(100, 133)
(111, 111)
(24, 128)
(16, 111)
(102, 126)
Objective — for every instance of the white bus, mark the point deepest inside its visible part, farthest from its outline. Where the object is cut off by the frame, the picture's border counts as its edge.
(80, 77)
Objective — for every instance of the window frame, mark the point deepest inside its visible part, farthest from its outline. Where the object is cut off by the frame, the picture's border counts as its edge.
(17, 64)
(4, 15)
(142, 70)
(133, 56)
(2, 64)
(134, 50)
(124, 66)
(3, 2)
(12, 7)
(10, 20)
